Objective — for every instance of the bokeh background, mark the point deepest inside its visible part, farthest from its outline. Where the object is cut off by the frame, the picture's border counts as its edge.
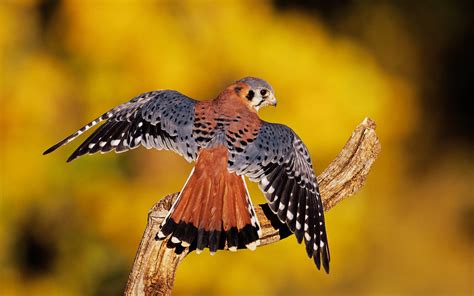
(73, 229)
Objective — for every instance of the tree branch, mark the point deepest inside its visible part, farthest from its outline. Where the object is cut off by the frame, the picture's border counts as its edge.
(156, 262)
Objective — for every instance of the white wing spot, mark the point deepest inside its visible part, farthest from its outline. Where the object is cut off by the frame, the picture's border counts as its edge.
(140, 124)
(102, 144)
(307, 236)
(271, 189)
(138, 139)
(91, 145)
(265, 181)
(115, 142)
(298, 225)
(289, 215)
(281, 207)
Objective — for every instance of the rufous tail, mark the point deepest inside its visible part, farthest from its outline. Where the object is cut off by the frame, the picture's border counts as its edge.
(214, 209)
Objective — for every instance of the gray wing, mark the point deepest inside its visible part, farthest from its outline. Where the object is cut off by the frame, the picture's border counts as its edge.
(160, 119)
(279, 161)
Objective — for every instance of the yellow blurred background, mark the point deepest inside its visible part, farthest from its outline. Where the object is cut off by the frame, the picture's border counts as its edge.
(73, 229)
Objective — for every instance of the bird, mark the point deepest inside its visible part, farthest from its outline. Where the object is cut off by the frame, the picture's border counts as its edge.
(227, 141)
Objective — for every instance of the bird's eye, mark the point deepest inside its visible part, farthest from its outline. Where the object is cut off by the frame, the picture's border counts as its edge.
(264, 92)
(250, 95)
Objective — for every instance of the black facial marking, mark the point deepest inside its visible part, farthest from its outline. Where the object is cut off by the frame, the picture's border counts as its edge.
(238, 89)
(260, 103)
(250, 95)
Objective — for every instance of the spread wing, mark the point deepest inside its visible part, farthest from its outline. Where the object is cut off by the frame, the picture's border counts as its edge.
(160, 119)
(279, 161)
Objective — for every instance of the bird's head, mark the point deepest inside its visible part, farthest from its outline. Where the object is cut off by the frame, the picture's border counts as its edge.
(255, 92)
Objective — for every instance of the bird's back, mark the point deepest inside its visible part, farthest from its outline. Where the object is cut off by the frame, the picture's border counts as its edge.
(225, 121)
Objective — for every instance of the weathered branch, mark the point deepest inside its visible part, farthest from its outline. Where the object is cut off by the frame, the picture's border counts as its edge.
(156, 262)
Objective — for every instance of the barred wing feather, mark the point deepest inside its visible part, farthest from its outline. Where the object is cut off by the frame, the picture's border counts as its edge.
(160, 119)
(279, 161)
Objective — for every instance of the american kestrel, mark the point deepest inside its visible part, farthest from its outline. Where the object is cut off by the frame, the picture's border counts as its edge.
(227, 140)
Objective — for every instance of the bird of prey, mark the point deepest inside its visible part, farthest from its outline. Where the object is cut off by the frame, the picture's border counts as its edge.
(227, 140)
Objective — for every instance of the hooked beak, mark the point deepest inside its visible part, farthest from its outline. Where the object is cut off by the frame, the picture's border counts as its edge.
(273, 101)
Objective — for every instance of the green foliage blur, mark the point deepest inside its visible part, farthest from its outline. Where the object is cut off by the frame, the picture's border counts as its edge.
(73, 229)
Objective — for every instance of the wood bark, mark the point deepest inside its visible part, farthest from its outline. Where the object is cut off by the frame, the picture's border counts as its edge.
(155, 265)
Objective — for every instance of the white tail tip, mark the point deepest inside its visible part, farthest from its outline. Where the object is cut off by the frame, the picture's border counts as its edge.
(161, 235)
(253, 245)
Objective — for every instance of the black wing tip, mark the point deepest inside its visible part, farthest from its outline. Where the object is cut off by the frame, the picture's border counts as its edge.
(72, 157)
(324, 253)
(322, 256)
(326, 258)
(317, 259)
(326, 264)
(52, 148)
(326, 267)
(299, 236)
(48, 151)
